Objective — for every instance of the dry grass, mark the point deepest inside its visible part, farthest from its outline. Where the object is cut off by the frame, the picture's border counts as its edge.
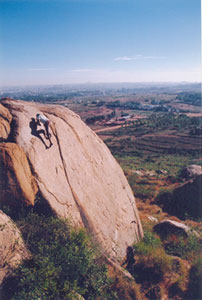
(125, 287)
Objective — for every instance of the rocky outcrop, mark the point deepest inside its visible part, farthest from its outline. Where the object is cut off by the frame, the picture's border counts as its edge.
(184, 200)
(12, 248)
(190, 172)
(16, 181)
(168, 227)
(77, 176)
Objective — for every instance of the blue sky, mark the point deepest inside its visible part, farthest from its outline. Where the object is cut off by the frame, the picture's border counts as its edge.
(80, 41)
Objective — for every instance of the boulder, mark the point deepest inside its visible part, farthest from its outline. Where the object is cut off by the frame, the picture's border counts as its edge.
(184, 200)
(150, 173)
(190, 172)
(12, 247)
(161, 172)
(16, 180)
(77, 175)
(139, 173)
(153, 219)
(167, 227)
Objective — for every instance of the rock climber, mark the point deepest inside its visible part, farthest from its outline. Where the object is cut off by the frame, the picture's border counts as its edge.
(40, 118)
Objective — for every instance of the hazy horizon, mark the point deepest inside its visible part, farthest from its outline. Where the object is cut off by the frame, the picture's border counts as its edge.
(138, 87)
(108, 83)
(97, 41)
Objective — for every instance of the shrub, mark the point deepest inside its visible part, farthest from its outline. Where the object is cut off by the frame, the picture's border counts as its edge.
(194, 290)
(63, 264)
(187, 248)
(126, 289)
(180, 271)
(144, 192)
(152, 261)
(151, 240)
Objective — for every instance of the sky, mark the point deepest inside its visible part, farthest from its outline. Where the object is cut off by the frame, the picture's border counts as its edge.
(87, 41)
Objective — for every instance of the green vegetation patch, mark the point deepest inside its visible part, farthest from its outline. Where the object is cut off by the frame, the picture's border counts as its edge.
(152, 261)
(153, 168)
(171, 163)
(156, 261)
(64, 263)
(187, 248)
(158, 134)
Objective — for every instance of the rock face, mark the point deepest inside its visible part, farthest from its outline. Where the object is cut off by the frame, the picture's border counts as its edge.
(5, 120)
(77, 176)
(12, 248)
(16, 180)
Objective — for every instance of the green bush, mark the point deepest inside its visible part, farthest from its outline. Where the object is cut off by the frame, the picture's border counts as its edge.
(152, 261)
(186, 248)
(149, 241)
(64, 263)
(144, 192)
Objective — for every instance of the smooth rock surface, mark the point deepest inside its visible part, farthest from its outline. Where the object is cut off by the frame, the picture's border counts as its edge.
(16, 180)
(78, 176)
